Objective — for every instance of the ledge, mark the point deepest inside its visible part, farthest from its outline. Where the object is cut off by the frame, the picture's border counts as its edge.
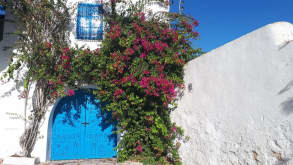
(20, 161)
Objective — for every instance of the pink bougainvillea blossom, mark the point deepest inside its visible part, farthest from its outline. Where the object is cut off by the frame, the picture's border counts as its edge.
(129, 51)
(146, 45)
(124, 80)
(195, 34)
(174, 129)
(70, 92)
(115, 31)
(48, 44)
(142, 55)
(146, 72)
(66, 50)
(118, 92)
(159, 46)
(50, 82)
(132, 78)
(65, 57)
(195, 23)
(139, 147)
(136, 47)
(138, 28)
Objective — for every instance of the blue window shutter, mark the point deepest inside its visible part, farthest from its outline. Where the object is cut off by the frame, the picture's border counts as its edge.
(89, 24)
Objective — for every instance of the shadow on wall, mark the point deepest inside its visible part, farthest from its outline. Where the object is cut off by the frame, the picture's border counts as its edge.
(287, 105)
(5, 55)
(8, 40)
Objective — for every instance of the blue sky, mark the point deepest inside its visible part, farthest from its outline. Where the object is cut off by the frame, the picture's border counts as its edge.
(222, 21)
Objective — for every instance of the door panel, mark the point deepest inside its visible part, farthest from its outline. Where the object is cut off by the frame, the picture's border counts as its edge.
(80, 130)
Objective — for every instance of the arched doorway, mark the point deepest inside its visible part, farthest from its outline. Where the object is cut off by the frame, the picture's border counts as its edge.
(80, 130)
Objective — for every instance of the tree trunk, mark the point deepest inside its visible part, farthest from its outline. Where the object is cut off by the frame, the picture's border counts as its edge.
(39, 101)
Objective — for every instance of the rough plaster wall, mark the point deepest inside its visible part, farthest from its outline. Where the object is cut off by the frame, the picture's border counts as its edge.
(240, 107)
(10, 106)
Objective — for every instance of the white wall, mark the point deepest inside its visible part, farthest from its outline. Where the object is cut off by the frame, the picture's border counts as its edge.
(240, 108)
(10, 128)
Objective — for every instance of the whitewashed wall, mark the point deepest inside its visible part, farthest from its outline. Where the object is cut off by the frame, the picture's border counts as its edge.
(11, 107)
(239, 110)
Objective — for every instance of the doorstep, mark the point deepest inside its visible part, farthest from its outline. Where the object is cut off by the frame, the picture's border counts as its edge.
(20, 161)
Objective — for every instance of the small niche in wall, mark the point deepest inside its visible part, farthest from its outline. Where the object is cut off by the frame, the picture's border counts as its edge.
(190, 87)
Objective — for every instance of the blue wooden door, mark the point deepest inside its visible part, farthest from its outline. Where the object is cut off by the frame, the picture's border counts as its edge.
(80, 130)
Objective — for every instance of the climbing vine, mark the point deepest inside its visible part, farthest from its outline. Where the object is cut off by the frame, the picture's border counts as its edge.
(137, 71)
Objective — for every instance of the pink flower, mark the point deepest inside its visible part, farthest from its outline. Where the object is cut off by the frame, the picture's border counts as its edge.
(118, 92)
(139, 147)
(66, 50)
(136, 47)
(174, 128)
(146, 72)
(54, 94)
(142, 55)
(135, 42)
(131, 78)
(165, 45)
(144, 82)
(115, 32)
(142, 17)
(195, 34)
(124, 80)
(70, 92)
(114, 55)
(137, 27)
(160, 46)
(129, 51)
(65, 57)
(146, 45)
(49, 45)
(50, 82)
(195, 23)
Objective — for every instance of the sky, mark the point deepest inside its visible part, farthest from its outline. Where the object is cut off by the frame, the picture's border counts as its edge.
(222, 21)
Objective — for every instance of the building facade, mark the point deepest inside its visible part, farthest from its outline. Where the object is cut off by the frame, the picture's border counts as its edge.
(236, 108)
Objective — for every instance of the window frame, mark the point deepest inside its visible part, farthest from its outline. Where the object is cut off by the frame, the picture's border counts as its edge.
(89, 13)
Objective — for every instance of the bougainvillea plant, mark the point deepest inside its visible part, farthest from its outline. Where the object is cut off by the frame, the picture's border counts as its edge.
(137, 71)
